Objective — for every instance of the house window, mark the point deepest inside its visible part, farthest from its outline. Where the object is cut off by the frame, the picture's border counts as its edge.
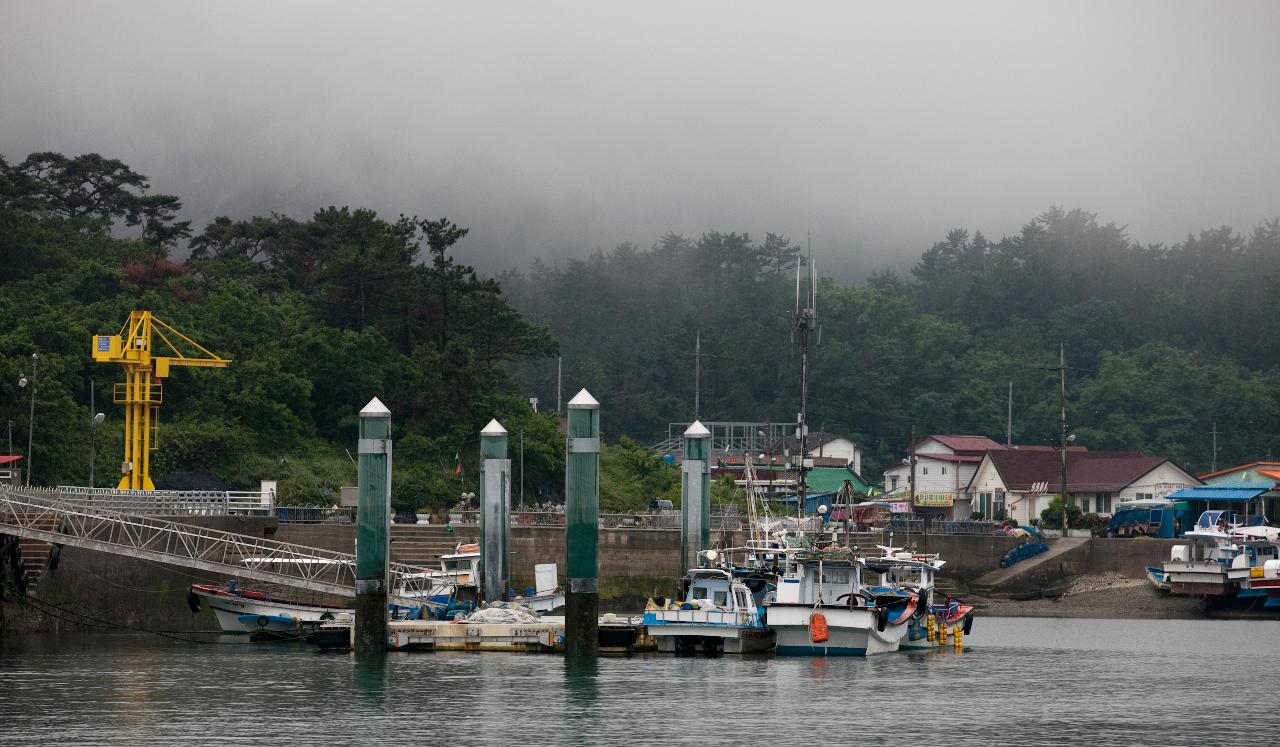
(944, 470)
(924, 471)
(893, 482)
(1084, 505)
(1145, 496)
(984, 503)
(1104, 502)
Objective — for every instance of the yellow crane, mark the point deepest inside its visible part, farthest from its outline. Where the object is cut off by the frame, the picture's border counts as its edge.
(147, 348)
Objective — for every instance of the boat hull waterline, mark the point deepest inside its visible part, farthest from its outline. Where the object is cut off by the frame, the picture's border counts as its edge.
(851, 631)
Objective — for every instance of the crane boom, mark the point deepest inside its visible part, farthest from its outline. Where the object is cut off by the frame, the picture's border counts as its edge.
(147, 347)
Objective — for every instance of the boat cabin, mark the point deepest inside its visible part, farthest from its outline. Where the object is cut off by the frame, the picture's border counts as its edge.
(712, 596)
(820, 580)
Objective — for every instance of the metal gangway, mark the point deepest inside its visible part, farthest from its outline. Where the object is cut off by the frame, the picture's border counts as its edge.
(728, 437)
(36, 514)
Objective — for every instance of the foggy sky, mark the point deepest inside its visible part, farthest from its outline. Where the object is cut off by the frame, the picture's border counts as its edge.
(551, 129)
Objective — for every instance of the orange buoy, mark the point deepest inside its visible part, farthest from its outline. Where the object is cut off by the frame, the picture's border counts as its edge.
(818, 627)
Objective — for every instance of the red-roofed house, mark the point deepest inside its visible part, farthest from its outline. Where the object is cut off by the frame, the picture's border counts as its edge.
(9, 471)
(1020, 483)
(944, 466)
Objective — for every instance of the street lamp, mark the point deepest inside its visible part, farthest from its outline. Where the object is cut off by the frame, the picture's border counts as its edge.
(94, 422)
(31, 419)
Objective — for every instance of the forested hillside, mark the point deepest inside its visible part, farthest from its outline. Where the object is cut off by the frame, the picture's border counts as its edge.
(318, 316)
(321, 313)
(1162, 342)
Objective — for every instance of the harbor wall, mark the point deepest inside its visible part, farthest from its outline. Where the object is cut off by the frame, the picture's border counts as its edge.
(634, 564)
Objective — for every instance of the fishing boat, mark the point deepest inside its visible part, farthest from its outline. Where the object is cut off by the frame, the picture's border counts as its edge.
(717, 613)
(444, 592)
(1159, 578)
(546, 595)
(915, 573)
(1255, 570)
(239, 610)
(822, 607)
(1199, 567)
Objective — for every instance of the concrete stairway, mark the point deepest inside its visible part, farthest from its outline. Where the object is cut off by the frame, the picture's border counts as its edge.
(423, 544)
(1045, 568)
(35, 554)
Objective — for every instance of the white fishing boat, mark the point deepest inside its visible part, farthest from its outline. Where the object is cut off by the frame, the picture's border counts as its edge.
(240, 610)
(547, 595)
(822, 608)
(716, 614)
(1199, 567)
(1255, 570)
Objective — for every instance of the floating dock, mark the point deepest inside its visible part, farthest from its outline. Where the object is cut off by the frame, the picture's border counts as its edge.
(618, 634)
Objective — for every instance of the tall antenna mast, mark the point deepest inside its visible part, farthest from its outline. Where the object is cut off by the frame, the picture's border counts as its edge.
(806, 324)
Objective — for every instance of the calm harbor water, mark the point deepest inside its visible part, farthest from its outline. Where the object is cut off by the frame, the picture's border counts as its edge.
(1020, 680)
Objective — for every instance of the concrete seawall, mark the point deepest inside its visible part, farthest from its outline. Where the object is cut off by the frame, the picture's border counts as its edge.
(634, 563)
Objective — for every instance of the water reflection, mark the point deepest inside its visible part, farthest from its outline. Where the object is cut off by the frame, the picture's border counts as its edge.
(1019, 681)
(369, 679)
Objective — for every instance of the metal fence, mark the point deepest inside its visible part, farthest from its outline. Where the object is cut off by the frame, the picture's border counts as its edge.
(664, 520)
(164, 502)
(947, 526)
(315, 515)
(900, 524)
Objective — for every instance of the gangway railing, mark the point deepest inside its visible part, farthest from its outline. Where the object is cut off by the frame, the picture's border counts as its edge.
(165, 502)
(36, 514)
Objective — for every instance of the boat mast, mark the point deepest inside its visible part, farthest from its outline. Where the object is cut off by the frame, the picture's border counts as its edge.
(806, 324)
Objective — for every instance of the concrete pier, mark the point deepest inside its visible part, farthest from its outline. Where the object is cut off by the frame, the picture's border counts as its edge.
(495, 512)
(582, 523)
(373, 529)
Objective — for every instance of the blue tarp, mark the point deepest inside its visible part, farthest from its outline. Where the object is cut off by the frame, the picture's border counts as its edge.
(1217, 493)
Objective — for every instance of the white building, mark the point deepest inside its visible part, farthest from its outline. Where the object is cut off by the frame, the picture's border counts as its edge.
(945, 464)
(1019, 483)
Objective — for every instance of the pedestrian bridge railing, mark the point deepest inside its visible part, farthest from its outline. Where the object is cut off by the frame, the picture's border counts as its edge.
(40, 514)
(165, 502)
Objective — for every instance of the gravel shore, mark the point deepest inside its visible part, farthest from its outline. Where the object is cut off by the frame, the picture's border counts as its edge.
(1107, 596)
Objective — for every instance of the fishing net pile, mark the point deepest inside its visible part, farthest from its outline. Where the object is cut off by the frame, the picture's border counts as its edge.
(502, 612)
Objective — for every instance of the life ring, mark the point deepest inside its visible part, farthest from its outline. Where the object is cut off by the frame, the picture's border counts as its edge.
(968, 623)
(263, 621)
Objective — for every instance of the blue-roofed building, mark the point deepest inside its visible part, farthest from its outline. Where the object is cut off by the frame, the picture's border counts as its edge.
(1252, 474)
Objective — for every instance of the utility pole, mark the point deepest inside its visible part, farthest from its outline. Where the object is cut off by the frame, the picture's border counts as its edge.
(911, 478)
(559, 378)
(698, 355)
(697, 377)
(522, 470)
(1213, 460)
(1062, 402)
(31, 421)
(1008, 426)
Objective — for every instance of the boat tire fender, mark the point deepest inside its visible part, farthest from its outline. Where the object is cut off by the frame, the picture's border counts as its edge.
(263, 621)
(326, 616)
(968, 623)
(193, 601)
(882, 618)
